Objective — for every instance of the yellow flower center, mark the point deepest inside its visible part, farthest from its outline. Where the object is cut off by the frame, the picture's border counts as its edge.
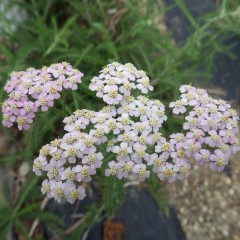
(27, 85)
(205, 157)
(112, 93)
(55, 142)
(127, 168)
(74, 194)
(153, 122)
(46, 187)
(43, 102)
(193, 122)
(193, 147)
(112, 124)
(70, 175)
(211, 122)
(53, 90)
(140, 153)
(122, 152)
(143, 110)
(145, 82)
(139, 127)
(92, 158)
(157, 137)
(89, 114)
(37, 165)
(178, 104)
(101, 119)
(125, 121)
(21, 121)
(157, 162)
(181, 153)
(215, 138)
(79, 113)
(168, 172)
(72, 152)
(70, 140)
(56, 156)
(99, 133)
(44, 151)
(127, 85)
(69, 120)
(27, 109)
(84, 172)
(183, 170)
(166, 147)
(142, 172)
(53, 172)
(160, 113)
(6, 117)
(88, 142)
(113, 170)
(142, 139)
(58, 192)
(220, 162)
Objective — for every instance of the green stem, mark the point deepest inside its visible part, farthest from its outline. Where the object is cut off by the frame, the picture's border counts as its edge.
(64, 103)
(55, 110)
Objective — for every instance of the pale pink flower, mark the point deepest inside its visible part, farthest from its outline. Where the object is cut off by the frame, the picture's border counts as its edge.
(202, 157)
(178, 107)
(140, 170)
(72, 193)
(218, 161)
(168, 171)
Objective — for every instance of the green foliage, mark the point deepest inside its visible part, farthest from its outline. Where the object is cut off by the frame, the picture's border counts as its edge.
(155, 188)
(89, 34)
(23, 210)
(93, 216)
(112, 194)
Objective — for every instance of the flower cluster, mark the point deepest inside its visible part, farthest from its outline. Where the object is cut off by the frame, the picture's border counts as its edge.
(117, 81)
(74, 158)
(129, 128)
(210, 128)
(138, 122)
(36, 89)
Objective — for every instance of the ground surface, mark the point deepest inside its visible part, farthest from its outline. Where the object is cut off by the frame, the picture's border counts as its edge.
(208, 203)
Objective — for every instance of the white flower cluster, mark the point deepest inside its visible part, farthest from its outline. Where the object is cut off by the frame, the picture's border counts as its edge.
(128, 128)
(116, 82)
(75, 157)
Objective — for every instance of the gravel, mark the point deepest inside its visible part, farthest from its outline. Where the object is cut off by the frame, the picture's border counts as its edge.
(208, 203)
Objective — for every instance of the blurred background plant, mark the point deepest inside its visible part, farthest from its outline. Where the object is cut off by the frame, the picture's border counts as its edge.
(89, 34)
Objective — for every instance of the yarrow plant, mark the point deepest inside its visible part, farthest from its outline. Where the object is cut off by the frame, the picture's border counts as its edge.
(36, 90)
(129, 128)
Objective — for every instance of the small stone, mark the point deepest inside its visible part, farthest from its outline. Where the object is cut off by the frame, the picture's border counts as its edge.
(184, 221)
(223, 204)
(223, 216)
(208, 193)
(228, 181)
(182, 210)
(225, 233)
(204, 209)
(231, 192)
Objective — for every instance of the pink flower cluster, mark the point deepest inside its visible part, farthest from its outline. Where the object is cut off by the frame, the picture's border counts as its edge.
(36, 89)
(129, 128)
(210, 128)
